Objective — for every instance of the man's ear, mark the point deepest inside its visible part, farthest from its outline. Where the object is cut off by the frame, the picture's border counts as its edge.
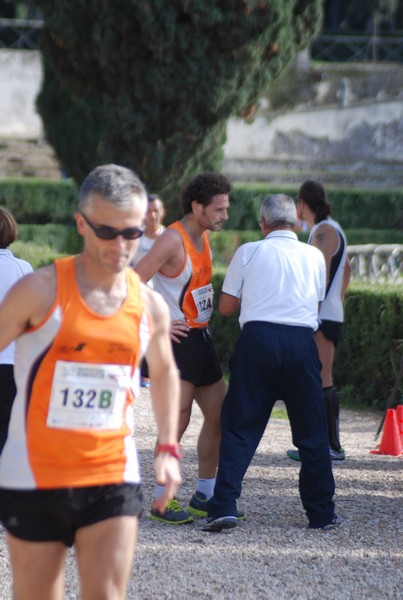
(263, 227)
(197, 207)
(80, 223)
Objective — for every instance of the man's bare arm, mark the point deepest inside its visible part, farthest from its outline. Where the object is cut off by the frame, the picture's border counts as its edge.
(165, 392)
(327, 241)
(166, 255)
(162, 369)
(228, 305)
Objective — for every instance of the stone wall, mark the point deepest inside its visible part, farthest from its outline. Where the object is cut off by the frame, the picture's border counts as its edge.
(23, 149)
(341, 123)
(344, 129)
(368, 130)
(20, 82)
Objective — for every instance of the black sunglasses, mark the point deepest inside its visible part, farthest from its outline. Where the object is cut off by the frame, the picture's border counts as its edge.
(110, 233)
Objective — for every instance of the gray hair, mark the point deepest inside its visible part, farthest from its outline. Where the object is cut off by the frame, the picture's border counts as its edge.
(278, 210)
(115, 184)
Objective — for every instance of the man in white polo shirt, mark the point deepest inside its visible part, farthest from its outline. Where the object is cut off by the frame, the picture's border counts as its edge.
(277, 283)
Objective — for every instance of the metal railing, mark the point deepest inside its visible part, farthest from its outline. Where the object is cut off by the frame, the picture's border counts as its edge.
(24, 34)
(20, 34)
(357, 48)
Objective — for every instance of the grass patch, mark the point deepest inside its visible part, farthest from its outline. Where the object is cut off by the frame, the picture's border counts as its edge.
(279, 413)
(36, 254)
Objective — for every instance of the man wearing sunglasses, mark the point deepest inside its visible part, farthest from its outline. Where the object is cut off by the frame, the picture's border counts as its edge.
(69, 472)
(180, 264)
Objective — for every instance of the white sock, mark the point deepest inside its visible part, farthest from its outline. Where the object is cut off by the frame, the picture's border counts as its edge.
(206, 487)
(158, 491)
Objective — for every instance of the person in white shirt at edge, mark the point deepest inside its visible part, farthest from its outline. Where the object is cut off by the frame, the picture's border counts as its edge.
(153, 228)
(327, 235)
(277, 283)
(11, 270)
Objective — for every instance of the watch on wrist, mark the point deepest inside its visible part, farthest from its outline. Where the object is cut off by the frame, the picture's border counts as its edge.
(174, 450)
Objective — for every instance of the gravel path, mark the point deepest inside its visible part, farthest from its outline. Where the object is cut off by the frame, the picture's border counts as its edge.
(271, 555)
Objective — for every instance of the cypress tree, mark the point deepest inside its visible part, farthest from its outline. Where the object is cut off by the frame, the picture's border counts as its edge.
(151, 84)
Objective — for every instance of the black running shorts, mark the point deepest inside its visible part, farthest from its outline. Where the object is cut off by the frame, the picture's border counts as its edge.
(197, 359)
(331, 330)
(55, 515)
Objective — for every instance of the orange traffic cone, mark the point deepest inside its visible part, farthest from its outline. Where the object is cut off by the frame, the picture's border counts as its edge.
(390, 442)
(399, 415)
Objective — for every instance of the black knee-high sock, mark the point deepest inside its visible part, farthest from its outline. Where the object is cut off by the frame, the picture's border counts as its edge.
(332, 410)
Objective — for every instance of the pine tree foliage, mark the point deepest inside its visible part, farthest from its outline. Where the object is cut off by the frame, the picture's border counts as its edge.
(157, 80)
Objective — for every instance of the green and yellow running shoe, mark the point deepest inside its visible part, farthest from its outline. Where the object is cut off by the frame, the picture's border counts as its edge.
(174, 514)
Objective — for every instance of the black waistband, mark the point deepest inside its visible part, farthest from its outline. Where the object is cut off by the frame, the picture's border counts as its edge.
(278, 326)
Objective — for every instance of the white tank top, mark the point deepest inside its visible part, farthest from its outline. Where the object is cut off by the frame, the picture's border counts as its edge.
(331, 309)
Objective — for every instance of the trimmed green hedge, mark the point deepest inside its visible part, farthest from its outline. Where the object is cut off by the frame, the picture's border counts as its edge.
(371, 236)
(353, 208)
(43, 201)
(39, 200)
(38, 255)
(62, 238)
(224, 243)
(368, 354)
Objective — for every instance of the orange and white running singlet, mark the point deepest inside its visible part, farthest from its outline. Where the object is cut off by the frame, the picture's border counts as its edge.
(189, 294)
(72, 421)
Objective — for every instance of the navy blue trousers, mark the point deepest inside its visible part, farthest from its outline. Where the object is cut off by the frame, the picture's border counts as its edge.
(275, 362)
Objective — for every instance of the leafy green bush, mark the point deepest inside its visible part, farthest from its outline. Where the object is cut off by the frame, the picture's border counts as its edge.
(353, 208)
(61, 238)
(368, 355)
(42, 201)
(37, 255)
(39, 200)
(373, 236)
(373, 209)
(224, 243)
(225, 330)
(64, 238)
(369, 352)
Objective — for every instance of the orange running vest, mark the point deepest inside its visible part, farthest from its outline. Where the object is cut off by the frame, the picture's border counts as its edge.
(189, 294)
(72, 420)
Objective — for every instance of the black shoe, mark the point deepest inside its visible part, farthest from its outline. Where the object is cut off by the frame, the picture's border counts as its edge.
(334, 524)
(218, 524)
(335, 455)
(198, 507)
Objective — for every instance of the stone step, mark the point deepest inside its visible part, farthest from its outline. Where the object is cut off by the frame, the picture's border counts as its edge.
(364, 174)
(28, 158)
(35, 158)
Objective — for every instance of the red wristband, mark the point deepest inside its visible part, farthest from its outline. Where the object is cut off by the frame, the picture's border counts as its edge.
(175, 450)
